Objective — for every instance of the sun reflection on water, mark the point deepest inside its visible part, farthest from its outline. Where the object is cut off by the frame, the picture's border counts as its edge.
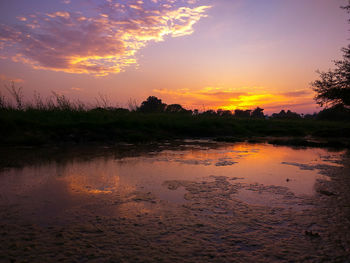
(136, 182)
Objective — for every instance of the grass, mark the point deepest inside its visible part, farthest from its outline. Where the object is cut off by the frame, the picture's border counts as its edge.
(58, 120)
(56, 126)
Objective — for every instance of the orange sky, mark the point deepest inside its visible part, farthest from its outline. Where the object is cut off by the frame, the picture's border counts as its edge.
(199, 53)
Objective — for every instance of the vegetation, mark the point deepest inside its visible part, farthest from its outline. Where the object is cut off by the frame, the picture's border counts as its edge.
(286, 115)
(58, 120)
(333, 87)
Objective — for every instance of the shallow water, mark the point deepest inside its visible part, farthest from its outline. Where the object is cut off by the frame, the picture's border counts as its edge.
(253, 202)
(55, 186)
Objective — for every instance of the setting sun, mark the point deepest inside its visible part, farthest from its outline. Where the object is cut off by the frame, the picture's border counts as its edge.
(195, 131)
(266, 54)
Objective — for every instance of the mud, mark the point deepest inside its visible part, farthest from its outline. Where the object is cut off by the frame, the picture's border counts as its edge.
(216, 222)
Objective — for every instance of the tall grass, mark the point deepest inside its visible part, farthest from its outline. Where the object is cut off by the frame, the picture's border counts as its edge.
(17, 94)
(58, 119)
(55, 102)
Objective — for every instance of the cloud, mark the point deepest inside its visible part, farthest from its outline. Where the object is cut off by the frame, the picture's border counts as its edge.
(245, 98)
(6, 78)
(98, 41)
(208, 97)
(298, 93)
(76, 89)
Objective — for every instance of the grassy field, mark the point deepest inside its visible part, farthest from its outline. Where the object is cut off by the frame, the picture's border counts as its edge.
(58, 126)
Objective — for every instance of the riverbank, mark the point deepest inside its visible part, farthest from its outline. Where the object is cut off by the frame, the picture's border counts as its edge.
(57, 127)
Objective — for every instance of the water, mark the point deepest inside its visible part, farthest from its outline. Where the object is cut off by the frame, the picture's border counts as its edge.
(172, 199)
(55, 186)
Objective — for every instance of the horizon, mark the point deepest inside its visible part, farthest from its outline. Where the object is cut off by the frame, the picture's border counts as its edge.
(201, 54)
(15, 97)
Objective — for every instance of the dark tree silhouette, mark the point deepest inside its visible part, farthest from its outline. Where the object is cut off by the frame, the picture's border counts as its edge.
(258, 113)
(286, 115)
(336, 113)
(175, 108)
(152, 104)
(242, 113)
(209, 112)
(333, 87)
(223, 113)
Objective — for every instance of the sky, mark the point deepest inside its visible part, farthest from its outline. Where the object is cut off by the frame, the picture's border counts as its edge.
(202, 54)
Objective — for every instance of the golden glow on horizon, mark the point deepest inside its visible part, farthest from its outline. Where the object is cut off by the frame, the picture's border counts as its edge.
(253, 100)
(207, 54)
(229, 99)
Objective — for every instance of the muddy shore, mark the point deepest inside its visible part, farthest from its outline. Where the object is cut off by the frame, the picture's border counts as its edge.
(211, 225)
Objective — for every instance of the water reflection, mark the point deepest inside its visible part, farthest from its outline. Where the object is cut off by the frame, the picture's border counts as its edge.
(52, 187)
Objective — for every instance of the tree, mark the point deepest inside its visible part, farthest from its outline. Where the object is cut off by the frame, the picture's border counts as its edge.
(333, 87)
(175, 108)
(224, 113)
(242, 113)
(258, 113)
(209, 113)
(286, 115)
(336, 113)
(152, 104)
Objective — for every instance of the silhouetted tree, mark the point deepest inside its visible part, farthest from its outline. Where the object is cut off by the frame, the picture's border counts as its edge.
(224, 113)
(335, 113)
(152, 104)
(280, 115)
(242, 113)
(209, 112)
(258, 113)
(286, 115)
(333, 87)
(310, 116)
(175, 108)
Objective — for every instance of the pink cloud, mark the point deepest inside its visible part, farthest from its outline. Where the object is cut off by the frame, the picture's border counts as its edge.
(99, 44)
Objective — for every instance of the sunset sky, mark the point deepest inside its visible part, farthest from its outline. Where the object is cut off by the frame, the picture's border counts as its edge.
(200, 53)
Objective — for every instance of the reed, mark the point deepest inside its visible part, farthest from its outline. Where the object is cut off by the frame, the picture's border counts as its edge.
(58, 119)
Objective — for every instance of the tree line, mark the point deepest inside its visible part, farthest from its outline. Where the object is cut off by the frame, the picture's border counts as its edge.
(332, 91)
(155, 105)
